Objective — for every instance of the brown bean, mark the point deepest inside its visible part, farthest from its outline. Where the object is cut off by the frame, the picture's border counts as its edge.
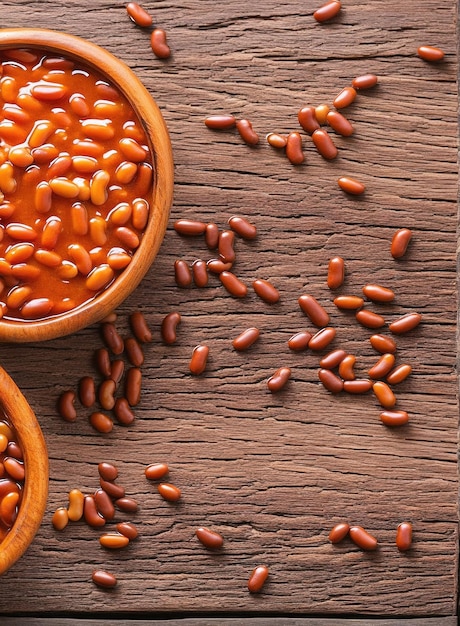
(242, 227)
(246, 132)
(351, 185)
(399, 374)
(200, 273)
(340, 124)
(123, 412)
(138, 14)
(128, 530)
(299, 341)
(330, 381)
(332, 359)
(225, 246)
(345, 98)
(87, 391)
(346, 367)
(383, 366)
(394, 418)
(404, 536)
(117, 369)
(155, 471)
(169, 327)
(115, 491)
(158, 43)
(209, 538)
(314, 311)
(339, 532)
(383, 344)
(104, 579)
(211, 235)
(294, 151)
(405, 323)
(266, 291)
(199, 360)
(106, 394)
(76, 504)
(217, 266)
(169, 492)
(60, 518)
(348, 303)
(14, 468)
(233, 285)
(220, 122)
(111, 338)
(107, 471)
(258, 578)
(362, 538)
(66, 406)
(101, 422)
(327, 11)
(365, 81)
(357, 386)
(369, 319)
(384, 394)
(335, 272)
(190, 227)
(322, 338)
(377, 293)
(128, 505)
(324, 144)
(134, 351)
(430, 53)
(307, 119)
(104, 504)
(279, 379)
(276, 140)
(400, 242)
(246, 339)
(133, 386)
(114, 541)
(140, 327)
(182, 273)
(321, 111)
(90, 513)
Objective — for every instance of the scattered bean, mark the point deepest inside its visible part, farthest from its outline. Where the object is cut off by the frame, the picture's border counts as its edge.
(314, 310)
(405, 323)
(430, 53)
(199, 360)
(133, 386)
(362, 538)
(369, 319)
(404, 536)
(398, 374)
(383, 366)
(257, 578)
(330, 381)
(233, 284)
(307, 119)
(220, 122)
(339, 532)
(327, 11)
(384, 394)
(400, 242)
(209, 538)
(128, 530)
(357, 386)
(246, 132)
(60, 518)
(66, 406)
(242, 227)
(104, 579)
(335, 272)
(266, 291)
(299, 341)
(324, 144)
(114, 541)
(394, 418)
(351, 185)
(190, 227)
(156, 471)
(279, 379)
(140, 327)
(182, 273)
(158, 43)
(246, 339)
(377, 293)
(294, 150)
(345, 98)
(322, 338)
(169, 327)
(346, 367)
(169, 492)
(383, 344)
(340, 124)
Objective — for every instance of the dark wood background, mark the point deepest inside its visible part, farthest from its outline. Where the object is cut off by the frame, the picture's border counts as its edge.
(272, 473)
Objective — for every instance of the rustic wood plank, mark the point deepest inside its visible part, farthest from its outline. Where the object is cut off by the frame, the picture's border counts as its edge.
(272, 473)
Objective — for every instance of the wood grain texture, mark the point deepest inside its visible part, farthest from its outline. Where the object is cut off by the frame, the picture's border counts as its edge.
(272, 473)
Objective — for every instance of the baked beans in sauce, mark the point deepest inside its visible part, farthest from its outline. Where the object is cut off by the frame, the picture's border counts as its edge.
(11, 476)
(75, 168)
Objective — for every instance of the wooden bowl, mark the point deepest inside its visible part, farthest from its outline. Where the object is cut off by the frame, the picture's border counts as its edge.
(160, 200)
(33, 504)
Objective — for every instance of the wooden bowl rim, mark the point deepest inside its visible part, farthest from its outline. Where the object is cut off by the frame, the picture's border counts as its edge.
(152, 119)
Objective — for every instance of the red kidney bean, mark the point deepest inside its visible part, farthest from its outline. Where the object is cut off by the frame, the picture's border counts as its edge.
(365, 81)
(133, 386)
(345, 98)
(140, 327)
(242, 227)
(190, 227)
(209, 538)
(362, 538)
(357, 386)
(159, 44)
(220, 122)
(333, 359)
(169, 492)
(156, 471)
(340, 124)
(182, 273)
(90, 513)
(211, 235)
(369, 319)
(394, 418)
(346, 367)
(66, 406)
(351, 185)
(117, 369)
(321, 112)
(404, 536)
(246, 132)
(114, 541)
(314, 311)
(299, 341)
(233, 284)
(266, 291)
(276, 140)
(104, 504)
(383, 344)
(200, 273)
(335, 272)
(87, 391)
(383, 366)
(400, 242)
(330, 381)
(107, 471)
(199, 360)
(339, 532)
(76, 504)
(111, 338)
(217, 266)
(294, 151)
(322, 338)
(257, 578)
(246, 339)
(384, 394)
(225, 246)
(123, 412)
(169, 327)
(101, 422)
(129, 505)
(307, 119)
(279, 379)
(139, 15)
(430, 53)
(102, 358)
(398, 374)
(327, 11)
(348, 302)
(324, 144)
(104, 579)
(377, 293)
(60, 518)
(405, 323)
(106, 394)
(115, 491)
(134, 351)
(128, 530)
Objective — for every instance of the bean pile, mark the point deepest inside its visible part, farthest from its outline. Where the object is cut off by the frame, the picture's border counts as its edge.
(12, 473)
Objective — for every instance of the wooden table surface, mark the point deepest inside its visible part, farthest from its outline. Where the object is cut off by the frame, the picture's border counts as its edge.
(271, 472)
